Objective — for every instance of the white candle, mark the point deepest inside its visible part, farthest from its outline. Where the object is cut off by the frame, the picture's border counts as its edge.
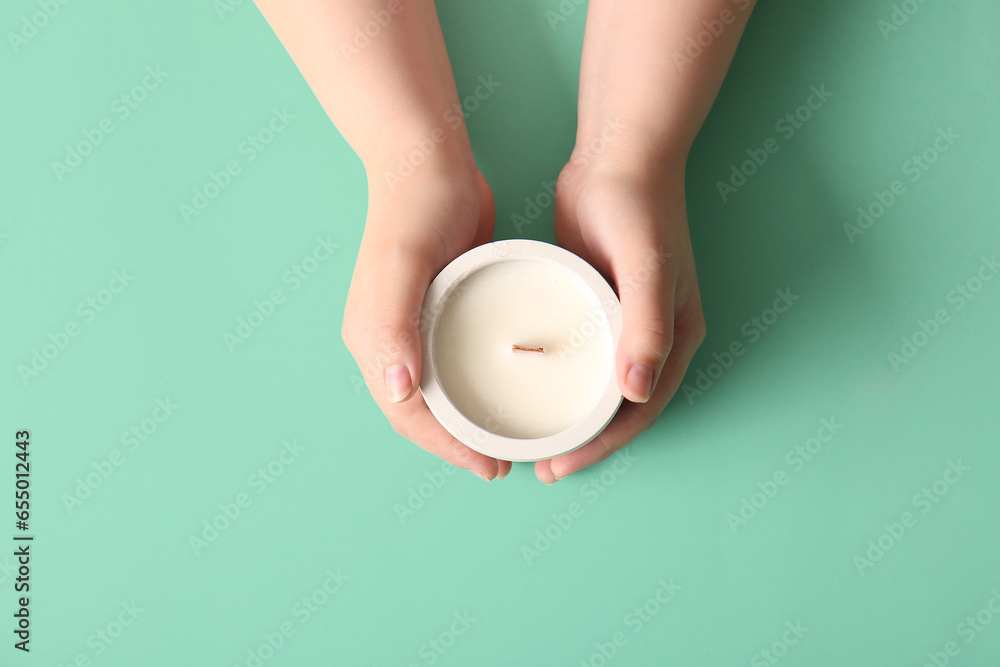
(519, 341)
(523, 394)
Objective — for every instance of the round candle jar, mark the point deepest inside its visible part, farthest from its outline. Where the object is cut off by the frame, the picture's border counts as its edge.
(519, 341)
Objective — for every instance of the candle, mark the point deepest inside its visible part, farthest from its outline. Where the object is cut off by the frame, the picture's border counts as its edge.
(477, 344)
(519, 340)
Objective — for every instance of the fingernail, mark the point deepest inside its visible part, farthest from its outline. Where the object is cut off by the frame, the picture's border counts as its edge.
(397, 382)
(554, 478)
(480, 475)
(639, 381)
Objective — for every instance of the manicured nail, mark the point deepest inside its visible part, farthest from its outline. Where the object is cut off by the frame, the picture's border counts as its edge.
(639, 381)
(397, 382)
(480, 475)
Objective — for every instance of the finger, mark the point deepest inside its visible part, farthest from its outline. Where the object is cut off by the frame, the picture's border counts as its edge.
(386, 343)
(543, 471)
(631, 420)
(634, 418)
(646, 278)
(414, 421)
(504, 468)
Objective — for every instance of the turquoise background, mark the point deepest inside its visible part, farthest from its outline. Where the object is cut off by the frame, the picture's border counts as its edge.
(338, 503)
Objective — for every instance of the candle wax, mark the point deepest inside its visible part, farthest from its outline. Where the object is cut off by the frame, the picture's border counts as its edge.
(530, 303)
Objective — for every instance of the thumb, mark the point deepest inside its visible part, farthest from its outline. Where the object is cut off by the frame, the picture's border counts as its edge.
(396, 283)
(646, 277)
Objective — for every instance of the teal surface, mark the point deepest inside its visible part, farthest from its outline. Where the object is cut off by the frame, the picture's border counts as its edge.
(211, 486)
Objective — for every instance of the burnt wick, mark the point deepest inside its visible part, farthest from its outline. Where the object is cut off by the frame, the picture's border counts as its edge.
(522, 348)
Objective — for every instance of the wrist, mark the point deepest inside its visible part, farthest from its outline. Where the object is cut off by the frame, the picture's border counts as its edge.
(615, 145)
(440, 144)
(434, 157)
(623, 153)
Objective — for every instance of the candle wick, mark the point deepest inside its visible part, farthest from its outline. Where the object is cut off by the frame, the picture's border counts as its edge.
(522, 348)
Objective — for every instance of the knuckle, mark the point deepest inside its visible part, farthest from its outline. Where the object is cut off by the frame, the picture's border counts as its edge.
(347, 334)
(659, 336)
(349, 327)
(388, 340)
(699, 329)
(694, 325)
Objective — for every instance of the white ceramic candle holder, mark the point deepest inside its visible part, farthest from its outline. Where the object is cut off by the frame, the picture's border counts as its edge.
(592, 286)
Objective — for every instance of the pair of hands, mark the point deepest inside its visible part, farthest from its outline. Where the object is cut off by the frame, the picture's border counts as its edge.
(622, 212)
(620, 206)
